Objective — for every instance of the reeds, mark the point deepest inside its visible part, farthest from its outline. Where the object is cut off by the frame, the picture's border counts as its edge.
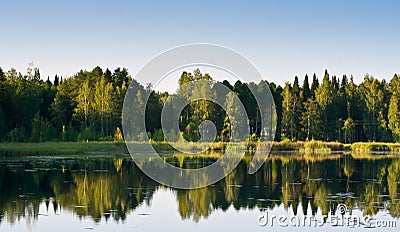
(375, 147)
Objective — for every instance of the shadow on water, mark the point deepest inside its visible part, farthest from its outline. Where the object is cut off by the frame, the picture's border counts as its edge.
(111, 188)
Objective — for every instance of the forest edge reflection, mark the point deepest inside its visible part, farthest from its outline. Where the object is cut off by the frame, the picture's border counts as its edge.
(113, 187)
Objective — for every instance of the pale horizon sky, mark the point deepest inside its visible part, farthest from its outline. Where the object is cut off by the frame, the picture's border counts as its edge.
(282, 38)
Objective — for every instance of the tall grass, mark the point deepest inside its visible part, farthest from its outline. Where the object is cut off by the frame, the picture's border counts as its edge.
(375, 147)
(313, 146)
(286, 146)
(307, 147)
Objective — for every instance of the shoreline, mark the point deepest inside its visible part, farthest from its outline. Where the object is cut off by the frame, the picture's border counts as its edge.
(86, 148)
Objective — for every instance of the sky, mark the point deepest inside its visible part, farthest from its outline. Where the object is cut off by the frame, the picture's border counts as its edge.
(281, 38)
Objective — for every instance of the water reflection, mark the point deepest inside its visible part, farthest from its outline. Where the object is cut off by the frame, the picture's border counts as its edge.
(111, 188)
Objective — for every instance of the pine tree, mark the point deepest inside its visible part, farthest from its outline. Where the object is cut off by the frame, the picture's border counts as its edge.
(314, 85)
(343, 83)
(108, 76)
(63, 105)
(324, 96)
(305, 90)
(373, 97)
(56, 81)
(311, 120)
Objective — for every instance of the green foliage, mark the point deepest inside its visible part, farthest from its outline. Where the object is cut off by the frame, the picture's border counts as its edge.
(394, 113)
(83, 100)
(374, 95)
(88, 106)
(348, 128)
(325, 96)
(88, 134)
(287, 111)
(64, 104)
(71, 134)
(311, 120)
(118, 137)
(62, 148)
(3, 123)
(18, 134)
(158, 136)
(39, 128)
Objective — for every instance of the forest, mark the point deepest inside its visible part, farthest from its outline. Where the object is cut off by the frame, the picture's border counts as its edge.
(87, 107)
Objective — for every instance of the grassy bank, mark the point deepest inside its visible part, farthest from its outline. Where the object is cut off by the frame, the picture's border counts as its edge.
(78, 148)
(310, 147)
(376, 147)
(60, 148)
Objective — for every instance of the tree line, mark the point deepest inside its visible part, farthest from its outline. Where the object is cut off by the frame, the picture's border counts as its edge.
(87, 106)
(340, 110)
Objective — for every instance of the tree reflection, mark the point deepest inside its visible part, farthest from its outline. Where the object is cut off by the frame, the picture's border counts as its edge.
(113, 188)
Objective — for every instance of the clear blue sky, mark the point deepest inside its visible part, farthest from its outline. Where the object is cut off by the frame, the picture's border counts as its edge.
(282, 38)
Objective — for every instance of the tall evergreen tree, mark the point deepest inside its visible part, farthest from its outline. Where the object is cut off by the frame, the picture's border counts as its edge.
(56, 80)
(324, 96)
(314, 85)
(311, 120)
(305, 90)
(373, 97)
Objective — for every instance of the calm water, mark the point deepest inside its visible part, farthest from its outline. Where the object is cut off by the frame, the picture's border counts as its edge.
(112, 194)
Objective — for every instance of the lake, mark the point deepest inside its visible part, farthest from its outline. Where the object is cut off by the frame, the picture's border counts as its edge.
(290, 192)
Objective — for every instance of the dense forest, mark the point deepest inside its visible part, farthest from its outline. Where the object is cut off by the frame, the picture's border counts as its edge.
(88, 106)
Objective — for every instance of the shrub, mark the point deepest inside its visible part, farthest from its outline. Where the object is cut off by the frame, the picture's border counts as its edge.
(118, 137)
(17, 134)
